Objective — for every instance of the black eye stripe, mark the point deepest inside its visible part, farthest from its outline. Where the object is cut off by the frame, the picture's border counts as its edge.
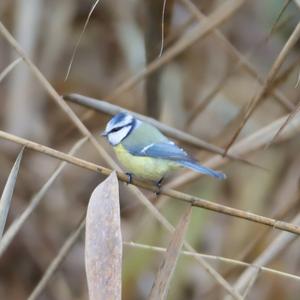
(116, 129)
(120, 127)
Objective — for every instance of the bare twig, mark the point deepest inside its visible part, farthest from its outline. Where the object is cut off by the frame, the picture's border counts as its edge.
(242, 60)
(68, 244)
(269, 253)
(201, 106)
(80, 37)
(286, 73)
(195, 201)
(219, 16)
(288, 119)
(273, 72)
(283, 9)
(9, 68)
(162, 28)
(286, 191)
(157, 19)
(214, 257)
(55, 96)
(251, 282)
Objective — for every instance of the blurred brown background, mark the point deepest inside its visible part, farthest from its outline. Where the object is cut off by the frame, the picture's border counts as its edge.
(121, 37)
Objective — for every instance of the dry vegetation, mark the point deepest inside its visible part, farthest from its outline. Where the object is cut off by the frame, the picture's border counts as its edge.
(227, 80)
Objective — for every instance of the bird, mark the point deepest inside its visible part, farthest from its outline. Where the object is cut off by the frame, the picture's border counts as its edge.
(146, 153)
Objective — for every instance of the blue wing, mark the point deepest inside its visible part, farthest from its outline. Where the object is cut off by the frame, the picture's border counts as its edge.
(169, 150)
(164, 150)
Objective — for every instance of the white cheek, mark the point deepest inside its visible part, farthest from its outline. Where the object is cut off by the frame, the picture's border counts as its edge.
(116, 137)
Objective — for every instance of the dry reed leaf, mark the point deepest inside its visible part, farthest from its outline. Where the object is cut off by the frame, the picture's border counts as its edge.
(8, 192)
(18, 223)
(103, 241)
(166, 270)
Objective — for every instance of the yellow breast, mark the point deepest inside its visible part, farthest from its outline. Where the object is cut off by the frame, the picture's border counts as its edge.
(145, 167)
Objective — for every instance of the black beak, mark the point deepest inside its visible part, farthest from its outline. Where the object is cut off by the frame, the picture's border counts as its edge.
(103, 134)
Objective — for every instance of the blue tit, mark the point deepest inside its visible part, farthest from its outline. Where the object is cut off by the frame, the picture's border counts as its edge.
(145, 152)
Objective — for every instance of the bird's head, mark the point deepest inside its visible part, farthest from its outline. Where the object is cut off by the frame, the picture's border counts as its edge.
(119, 127)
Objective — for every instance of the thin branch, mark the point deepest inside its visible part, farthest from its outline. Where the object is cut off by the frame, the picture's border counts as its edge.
(202, 105)
(9, 68)
(80, 37)
(216, 258)
(162, 28)
(55, 96)
(282, 240)
(67, 246)
(195, 201)
(242, 60)
(288, 119)
(218, 17)
(281, 12)
(286, 194)
(286, 73)
(272, 73)
(154, 42)
(251, 282)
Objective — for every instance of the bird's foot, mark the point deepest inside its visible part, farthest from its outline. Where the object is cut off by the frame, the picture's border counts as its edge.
(159, 185)
(130, 176)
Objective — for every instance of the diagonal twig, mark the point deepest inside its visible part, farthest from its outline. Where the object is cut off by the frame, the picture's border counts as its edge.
(271, 75)
(266, 256)
(67, 246)
(242, 60)
(288, 119)
(80, 38)
(9, 68)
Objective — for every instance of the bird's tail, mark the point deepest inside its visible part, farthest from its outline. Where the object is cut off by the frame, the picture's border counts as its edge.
(195, 166)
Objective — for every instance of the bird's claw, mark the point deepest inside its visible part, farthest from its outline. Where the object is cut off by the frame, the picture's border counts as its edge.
(129, 175)
(159, 185)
